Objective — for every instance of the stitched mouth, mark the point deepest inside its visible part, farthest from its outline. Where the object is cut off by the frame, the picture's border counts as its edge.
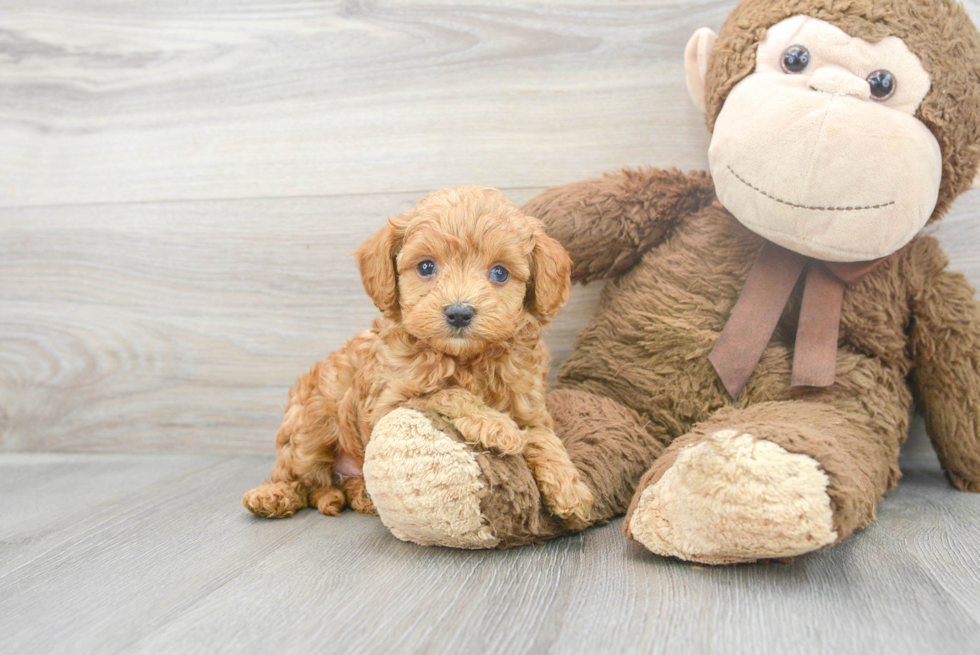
(798, 206)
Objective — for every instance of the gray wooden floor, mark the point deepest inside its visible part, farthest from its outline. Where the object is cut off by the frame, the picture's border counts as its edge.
(153, 554)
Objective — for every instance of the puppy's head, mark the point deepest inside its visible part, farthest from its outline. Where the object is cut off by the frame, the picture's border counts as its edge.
(465, 269)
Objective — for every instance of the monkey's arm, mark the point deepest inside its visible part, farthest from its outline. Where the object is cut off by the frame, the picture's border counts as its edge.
(946, 349)
(608, 223)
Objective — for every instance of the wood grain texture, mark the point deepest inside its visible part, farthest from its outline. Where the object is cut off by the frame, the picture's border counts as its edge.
(153, 554)
(107, 101)
(180, 184)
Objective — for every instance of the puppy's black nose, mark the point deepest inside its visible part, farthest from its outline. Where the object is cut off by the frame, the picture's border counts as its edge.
(459, 315)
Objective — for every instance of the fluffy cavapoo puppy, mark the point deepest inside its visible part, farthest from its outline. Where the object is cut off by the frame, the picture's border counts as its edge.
(465, 283)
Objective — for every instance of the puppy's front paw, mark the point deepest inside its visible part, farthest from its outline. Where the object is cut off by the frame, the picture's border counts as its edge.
(569, 499)
(498, 434)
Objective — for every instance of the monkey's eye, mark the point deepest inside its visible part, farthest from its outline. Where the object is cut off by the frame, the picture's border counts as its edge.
(499, 274)
(796, 59)
(426, 268)
(882, 84)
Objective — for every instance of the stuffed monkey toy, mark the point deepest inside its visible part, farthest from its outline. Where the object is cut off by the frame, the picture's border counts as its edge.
(745, 385)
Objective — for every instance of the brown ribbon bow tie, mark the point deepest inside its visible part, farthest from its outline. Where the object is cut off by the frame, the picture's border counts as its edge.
(756, 314)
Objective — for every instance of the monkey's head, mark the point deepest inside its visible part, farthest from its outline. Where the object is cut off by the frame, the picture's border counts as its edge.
(839, 129)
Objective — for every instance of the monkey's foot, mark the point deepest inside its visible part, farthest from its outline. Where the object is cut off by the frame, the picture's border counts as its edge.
(735, 498)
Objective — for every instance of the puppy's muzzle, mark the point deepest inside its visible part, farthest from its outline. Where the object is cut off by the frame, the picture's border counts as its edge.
(459, 315)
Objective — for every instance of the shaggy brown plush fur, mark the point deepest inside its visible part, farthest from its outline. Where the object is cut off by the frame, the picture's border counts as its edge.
(677, 272)
(639, 387)
(647, 350)
(487, 377)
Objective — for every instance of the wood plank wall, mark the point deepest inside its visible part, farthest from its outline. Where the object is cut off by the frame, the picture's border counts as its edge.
(180, 183)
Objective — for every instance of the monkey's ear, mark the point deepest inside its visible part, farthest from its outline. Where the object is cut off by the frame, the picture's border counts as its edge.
(696, 57)
(551, 270)
(976, 181)
(376, 260)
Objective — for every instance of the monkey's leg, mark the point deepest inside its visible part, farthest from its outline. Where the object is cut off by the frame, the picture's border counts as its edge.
(431, 487)
(774, 480)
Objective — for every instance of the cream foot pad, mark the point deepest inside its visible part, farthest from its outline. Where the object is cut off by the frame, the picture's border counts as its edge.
(425, 484)
(734, 498)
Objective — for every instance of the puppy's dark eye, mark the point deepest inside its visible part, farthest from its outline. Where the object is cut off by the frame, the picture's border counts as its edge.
(499, 274)
(426, 268)
(796, 59)
(882, 84)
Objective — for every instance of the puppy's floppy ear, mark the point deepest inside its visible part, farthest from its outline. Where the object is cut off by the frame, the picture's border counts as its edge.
(376, 260)
(551, 270)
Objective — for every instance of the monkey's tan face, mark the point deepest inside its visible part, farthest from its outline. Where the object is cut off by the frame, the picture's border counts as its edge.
(819, 149)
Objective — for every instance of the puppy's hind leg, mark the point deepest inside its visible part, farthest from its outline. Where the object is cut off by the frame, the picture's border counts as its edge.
(284, 493)
(305, 446)
(276, 500)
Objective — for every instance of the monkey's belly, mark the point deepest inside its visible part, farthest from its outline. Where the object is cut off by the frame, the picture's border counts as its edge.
(650, 360)
(648, 348)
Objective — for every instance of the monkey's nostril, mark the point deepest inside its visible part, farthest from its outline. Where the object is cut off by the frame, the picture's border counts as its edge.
(459, 315)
